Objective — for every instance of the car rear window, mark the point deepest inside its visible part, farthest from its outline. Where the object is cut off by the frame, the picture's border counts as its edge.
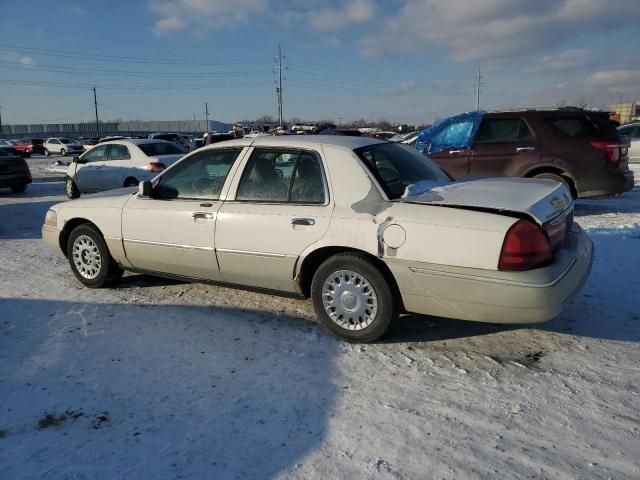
(502, 130)
(154, 149)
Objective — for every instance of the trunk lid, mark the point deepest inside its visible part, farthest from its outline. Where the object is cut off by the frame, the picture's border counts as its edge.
(541, 200)
(166, 159)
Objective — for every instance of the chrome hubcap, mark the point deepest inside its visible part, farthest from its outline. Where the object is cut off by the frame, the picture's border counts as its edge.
(349, 300)
(86, 257)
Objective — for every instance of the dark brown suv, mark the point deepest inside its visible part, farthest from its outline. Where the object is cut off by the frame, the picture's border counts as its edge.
(578, 147)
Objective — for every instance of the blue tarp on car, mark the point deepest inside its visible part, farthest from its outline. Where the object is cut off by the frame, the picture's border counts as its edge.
(452, 132)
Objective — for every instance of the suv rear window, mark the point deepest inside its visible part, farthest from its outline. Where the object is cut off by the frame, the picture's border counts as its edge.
(575, 127)
(502, 130)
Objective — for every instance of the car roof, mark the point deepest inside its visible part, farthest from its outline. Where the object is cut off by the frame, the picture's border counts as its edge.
(136, 141)
(303, 141)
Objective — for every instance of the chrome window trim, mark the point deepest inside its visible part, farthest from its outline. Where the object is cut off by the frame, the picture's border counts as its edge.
(174, 245)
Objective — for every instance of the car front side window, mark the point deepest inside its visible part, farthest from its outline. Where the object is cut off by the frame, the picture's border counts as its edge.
(98, 154)
(200, 177)
(496, 130)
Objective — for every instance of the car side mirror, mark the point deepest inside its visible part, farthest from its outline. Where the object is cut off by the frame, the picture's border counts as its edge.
(144, 188)
(75, 159)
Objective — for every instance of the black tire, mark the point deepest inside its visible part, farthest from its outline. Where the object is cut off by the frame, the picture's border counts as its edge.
(108, 270)
(558, 178)
(63, 152)
(19, 188)
(131, 182)
(46, 152)
(387, 304)
(71, 189)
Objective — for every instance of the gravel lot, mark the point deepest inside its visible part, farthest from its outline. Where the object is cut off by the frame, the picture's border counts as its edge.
(160, 379)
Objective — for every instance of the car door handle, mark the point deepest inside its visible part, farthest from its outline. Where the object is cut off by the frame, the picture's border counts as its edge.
(303, 221)
(455, 152)
(525, 149)
(205, 215)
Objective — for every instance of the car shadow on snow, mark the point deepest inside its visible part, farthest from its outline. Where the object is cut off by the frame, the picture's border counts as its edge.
(100, 390)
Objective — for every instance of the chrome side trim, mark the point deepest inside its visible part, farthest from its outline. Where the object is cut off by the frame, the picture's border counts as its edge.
(247, 252)
(477, 278)
(174, 245)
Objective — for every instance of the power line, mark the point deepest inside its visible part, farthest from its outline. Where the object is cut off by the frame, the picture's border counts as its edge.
(128, 87)
(53, 120)
(117, 58)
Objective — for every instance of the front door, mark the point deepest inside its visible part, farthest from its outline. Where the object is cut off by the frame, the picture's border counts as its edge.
(502, 146)
(280, 207)
(172, 231)
(89, 171)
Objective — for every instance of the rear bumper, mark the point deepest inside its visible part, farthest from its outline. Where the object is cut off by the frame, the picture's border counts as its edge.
(14, 179)
(493, 296)
(615, 184)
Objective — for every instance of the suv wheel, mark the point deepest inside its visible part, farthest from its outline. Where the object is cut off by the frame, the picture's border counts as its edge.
(558, 178)
(63, 152)
(71, 189)
(19, 188)
(90, 259)
(352, 299)
(46, 152)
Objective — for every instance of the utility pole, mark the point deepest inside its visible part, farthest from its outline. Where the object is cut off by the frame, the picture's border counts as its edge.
(0, 119)
(279, 84)
(478, 84)
(206, 114)
(95, 104)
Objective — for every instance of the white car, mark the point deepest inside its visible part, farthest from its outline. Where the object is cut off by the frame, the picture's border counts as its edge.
(62, 146)
(119, 163)
(368, 229)
(632, 130)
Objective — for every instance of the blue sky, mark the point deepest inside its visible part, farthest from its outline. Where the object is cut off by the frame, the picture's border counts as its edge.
(402, 60)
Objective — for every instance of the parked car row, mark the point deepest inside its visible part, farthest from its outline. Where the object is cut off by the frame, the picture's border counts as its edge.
(364, 227)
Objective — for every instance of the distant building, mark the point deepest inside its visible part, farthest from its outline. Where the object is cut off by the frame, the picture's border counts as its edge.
(126, 128)
(625, 112)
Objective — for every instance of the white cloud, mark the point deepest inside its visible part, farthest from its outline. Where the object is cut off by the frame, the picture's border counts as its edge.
(355, 11)
(563, 61)
(26, 60)
(615, 79)
(13, 56)
(77, 11)
(203, 14)
(484, 29)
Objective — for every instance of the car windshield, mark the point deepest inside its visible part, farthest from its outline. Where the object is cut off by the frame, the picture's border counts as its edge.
(397, 166)
(160, 148)
(66, 141)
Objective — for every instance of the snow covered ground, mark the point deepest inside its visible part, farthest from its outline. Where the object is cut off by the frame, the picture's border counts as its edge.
(158, 379)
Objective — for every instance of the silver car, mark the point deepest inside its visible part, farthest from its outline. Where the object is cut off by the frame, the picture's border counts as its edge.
(119, 163)
(632, 130)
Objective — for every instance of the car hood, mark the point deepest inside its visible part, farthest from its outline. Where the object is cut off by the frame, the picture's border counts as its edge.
(107, 199)
(541, 200)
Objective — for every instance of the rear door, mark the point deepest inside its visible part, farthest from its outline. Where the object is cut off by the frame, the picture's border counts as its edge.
(503, 145)
(278, 206)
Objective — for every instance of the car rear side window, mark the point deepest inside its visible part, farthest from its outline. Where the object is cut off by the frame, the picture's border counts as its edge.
(282, 175)
(575, 127)
(493, 130)
(119, 152)
(200, 176)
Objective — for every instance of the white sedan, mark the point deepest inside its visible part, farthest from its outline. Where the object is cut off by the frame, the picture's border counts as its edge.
(119, 163)
(368, 229)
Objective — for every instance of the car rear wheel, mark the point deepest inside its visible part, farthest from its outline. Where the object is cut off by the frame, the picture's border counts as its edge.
(131, 182)
(352, 299)
(557, 178)
(71, 189)
(19, 188)
(90, 259)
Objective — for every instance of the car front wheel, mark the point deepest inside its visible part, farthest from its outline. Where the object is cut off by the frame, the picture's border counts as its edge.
(352, 299)
(90, 259)
(46, 152)
(71, 189)
(63, 152)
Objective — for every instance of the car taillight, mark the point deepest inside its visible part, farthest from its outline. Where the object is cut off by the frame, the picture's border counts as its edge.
(156, 166)
(525, 247)
(611, 149)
